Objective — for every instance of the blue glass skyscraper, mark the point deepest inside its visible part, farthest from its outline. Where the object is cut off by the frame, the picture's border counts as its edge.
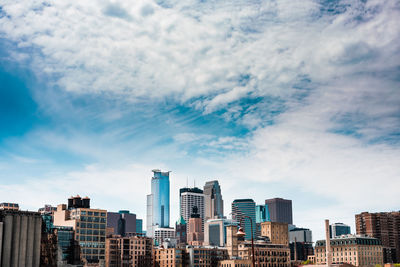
(262, 214)
(242, 208)
(158, 202)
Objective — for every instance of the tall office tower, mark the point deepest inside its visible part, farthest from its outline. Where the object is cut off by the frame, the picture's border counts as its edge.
(122, 222)
(338, 229)
(214, 205)
(139, 226)
(280, 210)
(20, 234)
(190, 197)
(386, 227)
(89, 226)
(241, 208)
(195, 235)
(180, 231)
(302, 235)
(158, 202)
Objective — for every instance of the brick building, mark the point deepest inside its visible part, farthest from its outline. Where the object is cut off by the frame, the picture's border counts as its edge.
(386, 227)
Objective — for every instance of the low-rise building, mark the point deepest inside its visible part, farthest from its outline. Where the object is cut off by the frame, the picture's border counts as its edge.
(352, 249)
(169, 257)
(206, 256)
(266, 254)
(129, 251)
(235, 263)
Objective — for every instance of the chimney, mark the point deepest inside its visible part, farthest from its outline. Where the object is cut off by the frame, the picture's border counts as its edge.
(328, 245)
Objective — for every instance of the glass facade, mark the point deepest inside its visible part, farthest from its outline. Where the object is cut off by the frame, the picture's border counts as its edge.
(160, 192)
(242, 208)
(262, 214)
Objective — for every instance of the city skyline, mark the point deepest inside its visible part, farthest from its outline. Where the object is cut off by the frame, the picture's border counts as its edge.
(291, 99)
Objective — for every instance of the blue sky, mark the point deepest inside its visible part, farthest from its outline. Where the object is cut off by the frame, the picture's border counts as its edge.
(278, 98)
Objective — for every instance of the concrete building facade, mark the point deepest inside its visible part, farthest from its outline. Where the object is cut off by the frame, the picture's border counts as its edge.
(20, 236)
(215, 231)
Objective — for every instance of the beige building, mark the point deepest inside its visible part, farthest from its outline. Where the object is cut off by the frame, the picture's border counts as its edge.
(130, 251)
(205, 256)
(169, 257)
(278, 233)
(89, 225)
(232, 241)
(352, 249)
(266, 254)
(235, 263)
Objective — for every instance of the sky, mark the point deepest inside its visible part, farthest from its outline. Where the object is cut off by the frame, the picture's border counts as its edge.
(297, 99)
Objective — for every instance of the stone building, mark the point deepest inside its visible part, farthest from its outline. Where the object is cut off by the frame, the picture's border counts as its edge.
(351, 249)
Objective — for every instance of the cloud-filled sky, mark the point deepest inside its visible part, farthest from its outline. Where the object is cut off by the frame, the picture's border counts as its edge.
(276, 98)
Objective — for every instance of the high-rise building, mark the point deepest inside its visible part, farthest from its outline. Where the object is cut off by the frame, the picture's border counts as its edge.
(351, 249)
(158, 202)
(122, 222)
(129, 251)
(20, 235)
(232, 241)
(214, 204)
(300, 235)
(386, 227)
(195, 235)
(181, 231)
(262, 214)
(280, 210)
(215, 231)
(277, 233)
(189, 198)
(89, 226)
(139, 226)
(338, 229)
(242, 208)
(160, 234)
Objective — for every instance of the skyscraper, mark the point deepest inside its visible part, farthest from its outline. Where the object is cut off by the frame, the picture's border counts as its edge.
(195, 235)
(241, 208)
(158, 202)
(280, 210)
(338, 229)
(122, 222)
(386, 227)
(189, 198)
(214, 205)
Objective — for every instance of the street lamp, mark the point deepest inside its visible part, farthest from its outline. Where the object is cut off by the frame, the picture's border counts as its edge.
(241, 233)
